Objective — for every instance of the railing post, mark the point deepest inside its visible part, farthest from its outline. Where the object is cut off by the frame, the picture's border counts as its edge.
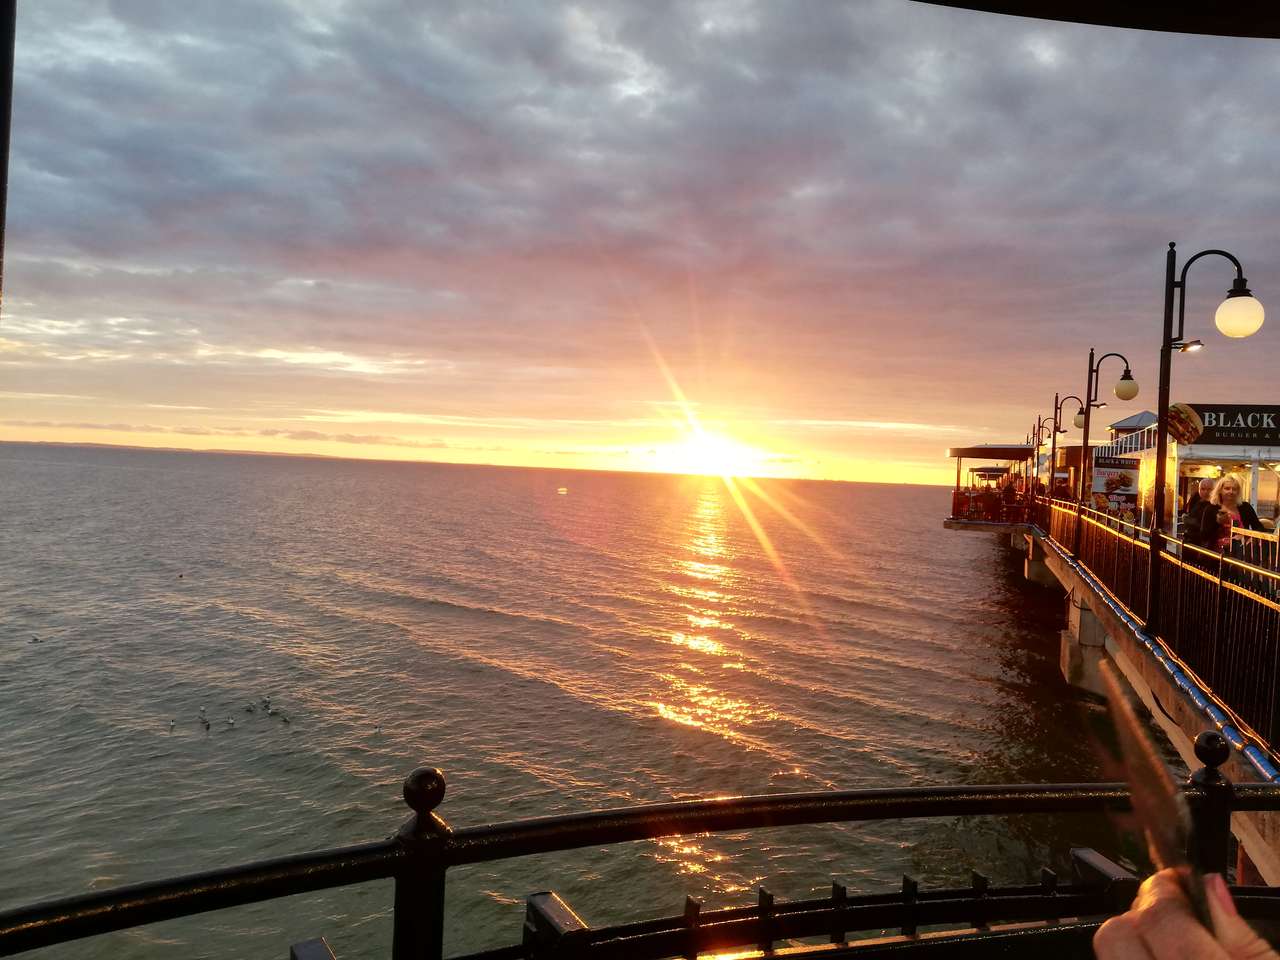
(418, 931)
(692, 914)
(552, 927)
(1134, 556)
(317, 949)
(1271, 732)
(1209, 843)
(1175, 636)
(1217, 622)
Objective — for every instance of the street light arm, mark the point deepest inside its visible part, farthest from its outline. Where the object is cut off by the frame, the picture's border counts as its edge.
(1182, 285)
(1182, 279)
(1070, 396)
(1093, 400)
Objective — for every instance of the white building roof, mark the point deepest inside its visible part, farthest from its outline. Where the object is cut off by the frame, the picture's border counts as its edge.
(1137, 421)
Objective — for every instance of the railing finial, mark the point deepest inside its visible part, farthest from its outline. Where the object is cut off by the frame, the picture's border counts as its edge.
(424, 789)
(1212, 749)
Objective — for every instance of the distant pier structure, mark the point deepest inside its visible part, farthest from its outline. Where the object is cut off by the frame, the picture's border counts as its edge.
(1206, 656)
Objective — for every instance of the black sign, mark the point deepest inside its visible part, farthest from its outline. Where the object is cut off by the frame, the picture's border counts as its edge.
(1238, 423)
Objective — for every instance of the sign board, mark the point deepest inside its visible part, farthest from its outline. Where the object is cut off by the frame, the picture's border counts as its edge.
(1115, 486)
(1228, 423)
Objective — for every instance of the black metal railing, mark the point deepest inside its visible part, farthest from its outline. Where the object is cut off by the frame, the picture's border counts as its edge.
(1222, 622)
(1224, 626)
(426, 847)
(1114, 550)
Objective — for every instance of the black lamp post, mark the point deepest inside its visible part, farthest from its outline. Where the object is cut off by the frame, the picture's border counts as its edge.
(1126, 388)
(1042, 424)
(1026, 471)
(1239, 315)
(1057, 429)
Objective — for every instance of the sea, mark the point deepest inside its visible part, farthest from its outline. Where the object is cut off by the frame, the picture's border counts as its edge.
(554, 641)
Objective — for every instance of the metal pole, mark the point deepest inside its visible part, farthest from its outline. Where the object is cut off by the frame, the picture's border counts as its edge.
(1162, 447)
(1035, 471)
(1085, 458)
(418, 918)
(1210, 839)
(1053, 447)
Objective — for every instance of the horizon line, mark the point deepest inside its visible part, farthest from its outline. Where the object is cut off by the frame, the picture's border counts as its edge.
(441, 463)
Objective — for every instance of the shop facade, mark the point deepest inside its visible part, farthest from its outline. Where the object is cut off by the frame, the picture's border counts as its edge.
(1206, 440)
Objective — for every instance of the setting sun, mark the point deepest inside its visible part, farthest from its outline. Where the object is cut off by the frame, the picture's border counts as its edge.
(712, 455)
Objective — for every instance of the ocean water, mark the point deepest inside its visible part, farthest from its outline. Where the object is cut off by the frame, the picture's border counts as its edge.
(555, 641)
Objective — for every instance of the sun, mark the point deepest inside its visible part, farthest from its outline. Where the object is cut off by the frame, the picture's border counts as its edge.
(709, 454)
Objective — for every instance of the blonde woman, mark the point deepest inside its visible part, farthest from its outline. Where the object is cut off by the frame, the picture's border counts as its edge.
(1226, 509)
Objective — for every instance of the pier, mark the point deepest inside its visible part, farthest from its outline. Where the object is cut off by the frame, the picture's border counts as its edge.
(1206, 656)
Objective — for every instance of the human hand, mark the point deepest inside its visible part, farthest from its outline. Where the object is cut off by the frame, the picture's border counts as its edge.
(1160, 925)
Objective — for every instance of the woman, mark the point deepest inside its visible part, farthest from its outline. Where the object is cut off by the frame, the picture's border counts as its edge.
(1226, 509)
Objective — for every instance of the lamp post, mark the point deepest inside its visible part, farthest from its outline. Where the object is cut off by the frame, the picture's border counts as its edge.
(1042, 424)
(1026, 471)
(1126, 388)
(1239, 315)
(1057, 429)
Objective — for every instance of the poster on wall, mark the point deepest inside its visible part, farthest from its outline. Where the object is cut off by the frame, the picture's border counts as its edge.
(1115, 486)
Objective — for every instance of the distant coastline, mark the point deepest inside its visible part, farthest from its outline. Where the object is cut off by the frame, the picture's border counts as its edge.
(59, 444)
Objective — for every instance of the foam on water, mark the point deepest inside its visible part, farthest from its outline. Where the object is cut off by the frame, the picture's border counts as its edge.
(628, 640)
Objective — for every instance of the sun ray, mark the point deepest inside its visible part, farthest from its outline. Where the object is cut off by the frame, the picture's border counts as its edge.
(721, 456)
(757, 490)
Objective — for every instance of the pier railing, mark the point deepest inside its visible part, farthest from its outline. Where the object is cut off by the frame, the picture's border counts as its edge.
(419, 856)
(1222, 616)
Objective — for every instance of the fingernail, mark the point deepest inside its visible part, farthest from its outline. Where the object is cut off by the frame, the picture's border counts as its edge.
(1218, 890)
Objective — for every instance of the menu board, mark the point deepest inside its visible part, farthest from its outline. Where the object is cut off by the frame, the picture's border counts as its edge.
(1115, 486)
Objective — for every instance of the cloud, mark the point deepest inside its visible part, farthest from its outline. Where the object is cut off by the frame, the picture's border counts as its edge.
(880, 216)
(201, 431)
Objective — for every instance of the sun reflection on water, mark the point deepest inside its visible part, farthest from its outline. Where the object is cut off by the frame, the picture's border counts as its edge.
(700, 643)
(703, 571)
(698, 704)
(708, 638)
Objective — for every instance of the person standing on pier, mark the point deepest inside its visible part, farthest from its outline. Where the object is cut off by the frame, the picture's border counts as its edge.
(1232, 511)
(1195, 506)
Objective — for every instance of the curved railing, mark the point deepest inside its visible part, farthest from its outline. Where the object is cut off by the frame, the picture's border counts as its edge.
(419, 855)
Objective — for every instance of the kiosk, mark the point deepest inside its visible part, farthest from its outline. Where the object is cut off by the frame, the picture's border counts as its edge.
(1205, 440)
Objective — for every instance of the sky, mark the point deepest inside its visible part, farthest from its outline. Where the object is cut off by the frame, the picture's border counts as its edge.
(794, 239)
